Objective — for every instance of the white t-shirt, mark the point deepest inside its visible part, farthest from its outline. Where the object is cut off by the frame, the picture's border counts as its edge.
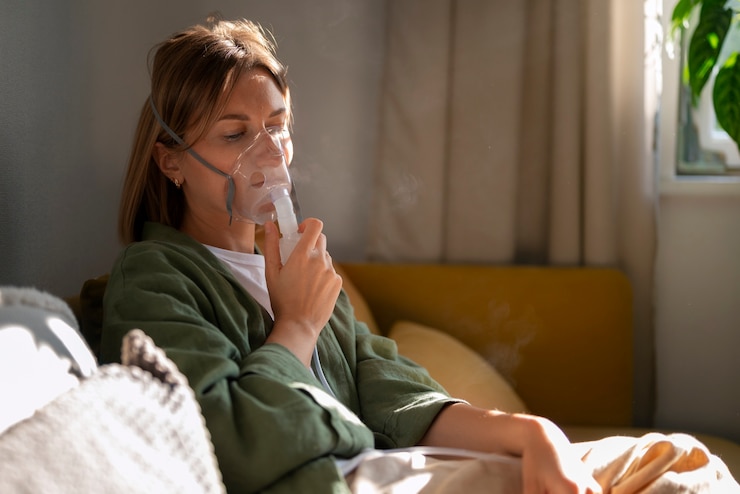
(249, 270)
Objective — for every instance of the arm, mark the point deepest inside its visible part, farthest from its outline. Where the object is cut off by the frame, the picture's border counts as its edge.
(266, 413)
(548, 464)
(398, 398)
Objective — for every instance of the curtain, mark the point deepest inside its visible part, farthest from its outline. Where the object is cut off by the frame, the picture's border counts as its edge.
(520, 133)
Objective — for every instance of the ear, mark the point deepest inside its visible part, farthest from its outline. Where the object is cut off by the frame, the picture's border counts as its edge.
(168, 161)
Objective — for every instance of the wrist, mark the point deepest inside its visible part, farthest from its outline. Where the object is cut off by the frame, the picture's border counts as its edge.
(538, 432)
(298, 337)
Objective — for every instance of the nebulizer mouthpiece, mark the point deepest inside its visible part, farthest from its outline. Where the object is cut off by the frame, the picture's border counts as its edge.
(262, 187)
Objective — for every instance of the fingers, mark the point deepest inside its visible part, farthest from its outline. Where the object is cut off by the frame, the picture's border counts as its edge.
(310, 230)
(313, 241)
(272, 245)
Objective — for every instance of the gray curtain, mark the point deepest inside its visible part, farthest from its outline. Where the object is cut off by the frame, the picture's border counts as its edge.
(520, 133)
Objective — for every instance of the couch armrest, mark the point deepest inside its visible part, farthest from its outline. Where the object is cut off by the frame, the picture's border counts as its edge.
(562, 336)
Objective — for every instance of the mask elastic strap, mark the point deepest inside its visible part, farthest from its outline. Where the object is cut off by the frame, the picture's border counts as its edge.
(230, 192)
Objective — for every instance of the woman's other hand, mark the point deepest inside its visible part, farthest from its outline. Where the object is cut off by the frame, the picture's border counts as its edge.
(549, 462)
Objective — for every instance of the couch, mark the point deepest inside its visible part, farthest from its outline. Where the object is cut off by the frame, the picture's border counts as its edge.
(551, 341)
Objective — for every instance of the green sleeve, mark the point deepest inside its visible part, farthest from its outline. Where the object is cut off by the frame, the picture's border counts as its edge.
(267, 414)
(398, 399)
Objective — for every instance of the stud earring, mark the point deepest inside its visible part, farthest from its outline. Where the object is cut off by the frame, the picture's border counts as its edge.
(176, 182)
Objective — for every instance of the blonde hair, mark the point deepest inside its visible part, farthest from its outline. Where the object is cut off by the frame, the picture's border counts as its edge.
(192, 75)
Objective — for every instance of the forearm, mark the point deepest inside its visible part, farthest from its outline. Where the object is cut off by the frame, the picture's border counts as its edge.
(273, 419)
(463, 426)
(297, 339)
(549, 464)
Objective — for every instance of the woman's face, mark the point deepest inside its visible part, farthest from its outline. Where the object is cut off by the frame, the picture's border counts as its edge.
(255, 104)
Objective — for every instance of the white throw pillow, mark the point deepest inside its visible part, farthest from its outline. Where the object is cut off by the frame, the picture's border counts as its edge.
(42, 354)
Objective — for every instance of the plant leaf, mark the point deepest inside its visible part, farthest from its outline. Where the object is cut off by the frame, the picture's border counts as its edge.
(726, 98)
(681, 13)
(706, 43)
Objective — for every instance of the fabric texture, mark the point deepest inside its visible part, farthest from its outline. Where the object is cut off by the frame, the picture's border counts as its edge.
(256, 397)
(656, 463)
(460, 370)
(131, 428)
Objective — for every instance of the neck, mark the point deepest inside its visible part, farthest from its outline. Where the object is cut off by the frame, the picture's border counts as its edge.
(216, 232)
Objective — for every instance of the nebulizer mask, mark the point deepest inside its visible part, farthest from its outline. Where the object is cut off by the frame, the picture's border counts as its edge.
(263, 190)
(259, 188)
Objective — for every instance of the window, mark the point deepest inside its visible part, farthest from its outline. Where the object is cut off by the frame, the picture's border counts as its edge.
(701, 146)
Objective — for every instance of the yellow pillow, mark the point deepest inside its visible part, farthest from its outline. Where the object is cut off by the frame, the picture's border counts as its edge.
(460, 370)
(362, 310)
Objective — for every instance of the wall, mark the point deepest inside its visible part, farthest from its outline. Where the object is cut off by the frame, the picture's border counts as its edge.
(73, 80)
(697, 286)
(698, 308)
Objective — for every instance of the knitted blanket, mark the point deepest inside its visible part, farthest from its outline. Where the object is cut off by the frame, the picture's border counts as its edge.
(126, 428)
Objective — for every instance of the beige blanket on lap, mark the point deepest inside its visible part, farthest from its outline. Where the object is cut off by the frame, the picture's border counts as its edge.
(652, 464)
(656, 463)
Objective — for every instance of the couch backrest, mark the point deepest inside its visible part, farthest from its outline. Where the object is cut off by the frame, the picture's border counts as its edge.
(562, 336)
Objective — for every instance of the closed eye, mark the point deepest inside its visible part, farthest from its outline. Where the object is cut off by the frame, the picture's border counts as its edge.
(234, 137)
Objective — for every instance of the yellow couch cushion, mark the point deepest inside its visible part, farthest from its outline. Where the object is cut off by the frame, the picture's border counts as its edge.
(561, 336)
(461, 371)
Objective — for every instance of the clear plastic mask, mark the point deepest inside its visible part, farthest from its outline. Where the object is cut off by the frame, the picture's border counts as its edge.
(262, 186)
(261, 177)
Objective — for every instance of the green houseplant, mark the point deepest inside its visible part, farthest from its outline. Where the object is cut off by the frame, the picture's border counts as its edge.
(711, 24)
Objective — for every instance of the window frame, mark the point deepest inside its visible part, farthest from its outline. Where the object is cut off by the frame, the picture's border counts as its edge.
(713, 141)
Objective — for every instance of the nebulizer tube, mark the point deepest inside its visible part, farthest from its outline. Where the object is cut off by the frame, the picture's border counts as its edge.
(288, 223)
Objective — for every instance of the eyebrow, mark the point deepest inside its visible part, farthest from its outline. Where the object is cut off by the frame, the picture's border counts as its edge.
(245, 118)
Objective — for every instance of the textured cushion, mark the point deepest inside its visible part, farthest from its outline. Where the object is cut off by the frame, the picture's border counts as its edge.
(461, 371)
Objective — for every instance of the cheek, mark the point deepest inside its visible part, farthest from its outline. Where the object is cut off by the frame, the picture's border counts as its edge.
(217, 155)
(203, 185)
(288, 152)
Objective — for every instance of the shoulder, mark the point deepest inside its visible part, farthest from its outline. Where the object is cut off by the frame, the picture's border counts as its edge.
(172, 265)
(165, 249)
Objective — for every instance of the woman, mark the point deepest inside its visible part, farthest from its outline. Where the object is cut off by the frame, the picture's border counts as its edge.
(287, 379)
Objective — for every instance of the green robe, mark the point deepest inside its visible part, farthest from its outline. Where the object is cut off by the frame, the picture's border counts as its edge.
(273, 425)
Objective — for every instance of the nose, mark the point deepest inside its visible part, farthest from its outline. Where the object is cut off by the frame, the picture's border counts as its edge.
(268, 148)
(263, 162)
